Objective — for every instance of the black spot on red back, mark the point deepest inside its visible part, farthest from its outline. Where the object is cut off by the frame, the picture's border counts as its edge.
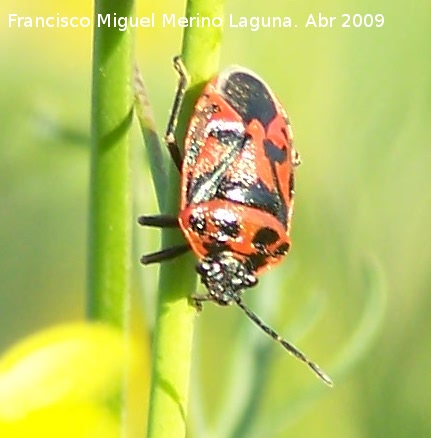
(255, 195)
(216, 247)
(282, 249)
(231, 229)
(256, 261)
(197, 224)
(265, 236)
(250, 98)
(274, 153)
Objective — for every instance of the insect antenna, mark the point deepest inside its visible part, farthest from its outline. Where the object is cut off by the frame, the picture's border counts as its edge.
(287, 345)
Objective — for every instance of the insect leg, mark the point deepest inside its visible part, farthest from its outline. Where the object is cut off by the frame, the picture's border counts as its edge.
(165, 254)
(172, 123)
(159, 221)
(198, 299)
(287, 345)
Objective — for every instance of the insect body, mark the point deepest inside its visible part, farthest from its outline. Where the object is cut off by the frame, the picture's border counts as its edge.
(237, 183)
(237, 188)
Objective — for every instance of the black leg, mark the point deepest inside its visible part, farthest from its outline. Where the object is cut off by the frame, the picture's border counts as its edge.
(165, 254)
(198, 299)
(172, 124)
(159, 221)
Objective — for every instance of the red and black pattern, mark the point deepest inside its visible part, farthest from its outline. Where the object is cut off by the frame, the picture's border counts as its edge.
(237, 188)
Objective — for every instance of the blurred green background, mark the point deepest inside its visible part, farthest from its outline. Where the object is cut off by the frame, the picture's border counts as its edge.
(360, 104)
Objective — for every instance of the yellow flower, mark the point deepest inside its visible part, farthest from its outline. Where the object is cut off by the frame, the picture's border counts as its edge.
(67, 381)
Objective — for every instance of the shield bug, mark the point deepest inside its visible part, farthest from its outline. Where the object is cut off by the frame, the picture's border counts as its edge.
(237, 189)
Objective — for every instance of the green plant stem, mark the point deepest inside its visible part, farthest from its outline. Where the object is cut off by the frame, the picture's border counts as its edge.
(156, 154)
(174, 320)
(110, 204)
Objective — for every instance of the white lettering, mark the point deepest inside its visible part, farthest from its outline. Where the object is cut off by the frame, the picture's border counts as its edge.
(122, 23)
(182, 22)
(168, 20)
(85, 22)
(12, 19)
(103, 20)
(49, 22)
(195, 21)
(322, 21)
(255, 23)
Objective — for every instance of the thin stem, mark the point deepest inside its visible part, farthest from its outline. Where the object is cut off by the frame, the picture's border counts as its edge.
(110, 205)
(109, 241)
(147, 123)
(174, 320)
